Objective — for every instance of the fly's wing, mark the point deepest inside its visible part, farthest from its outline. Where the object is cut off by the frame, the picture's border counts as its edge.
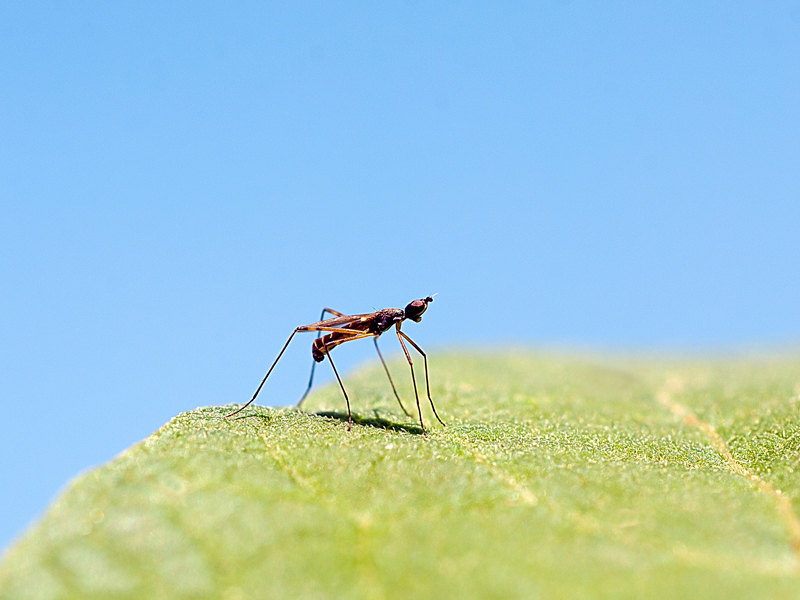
(341, 321)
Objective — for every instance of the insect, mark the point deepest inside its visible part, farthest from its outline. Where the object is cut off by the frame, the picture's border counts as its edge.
(347, 328)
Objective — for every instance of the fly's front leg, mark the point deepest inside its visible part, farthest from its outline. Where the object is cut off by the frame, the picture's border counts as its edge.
(386, 368)
(413, 378)
(427, 382)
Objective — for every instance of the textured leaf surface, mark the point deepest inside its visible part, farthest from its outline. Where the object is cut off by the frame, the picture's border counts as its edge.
(555, 478)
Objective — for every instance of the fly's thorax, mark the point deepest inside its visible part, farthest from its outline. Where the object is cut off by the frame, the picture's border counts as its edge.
(386, 318)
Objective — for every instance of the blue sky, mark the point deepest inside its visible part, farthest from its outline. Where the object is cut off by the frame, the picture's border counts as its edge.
(181, 184)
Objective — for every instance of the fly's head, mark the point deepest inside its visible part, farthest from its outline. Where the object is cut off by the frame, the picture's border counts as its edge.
(415, 309)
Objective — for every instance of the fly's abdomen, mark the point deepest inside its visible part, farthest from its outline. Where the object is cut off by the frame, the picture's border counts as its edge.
(322, 345)
(318, 348)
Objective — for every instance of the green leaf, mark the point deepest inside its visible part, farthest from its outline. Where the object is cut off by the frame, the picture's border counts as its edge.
(554, 478)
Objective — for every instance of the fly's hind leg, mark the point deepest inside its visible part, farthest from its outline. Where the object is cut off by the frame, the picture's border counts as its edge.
(341, 385)
(335, 313)
(326, 351)
(263, 381)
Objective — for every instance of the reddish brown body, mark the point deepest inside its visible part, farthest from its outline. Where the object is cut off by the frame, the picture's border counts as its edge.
(374, 323)
(345, 328)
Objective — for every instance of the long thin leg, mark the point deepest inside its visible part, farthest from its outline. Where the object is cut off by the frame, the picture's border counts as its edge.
(331, 345)
(349, 414)
(263, 381)
(413, 379)
(355, 333)
(427, 383)
(390, 377)
(313, 362)
(333, 329)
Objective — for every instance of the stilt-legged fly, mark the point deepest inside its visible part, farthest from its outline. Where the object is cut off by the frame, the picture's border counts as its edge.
(346, 328)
